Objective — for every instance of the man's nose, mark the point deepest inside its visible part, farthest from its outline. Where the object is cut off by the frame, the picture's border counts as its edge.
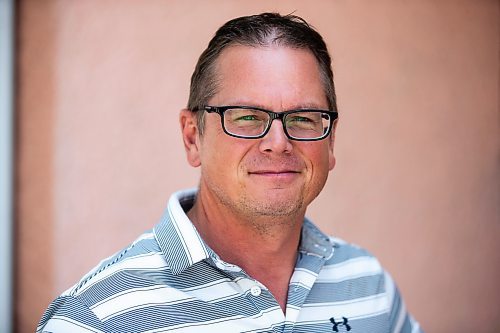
(276, 140)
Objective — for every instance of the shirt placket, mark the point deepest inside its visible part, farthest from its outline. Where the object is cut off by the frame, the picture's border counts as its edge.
(301, 284)
(257, 294)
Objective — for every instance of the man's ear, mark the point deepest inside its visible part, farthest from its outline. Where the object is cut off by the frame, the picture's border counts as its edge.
(331, 155)
(190, 136)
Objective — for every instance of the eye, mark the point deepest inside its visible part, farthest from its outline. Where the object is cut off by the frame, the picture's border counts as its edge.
(300, 119)
(247, 117)
(304, 118)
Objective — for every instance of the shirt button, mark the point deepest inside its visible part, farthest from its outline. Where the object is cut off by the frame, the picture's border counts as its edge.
(255, 290)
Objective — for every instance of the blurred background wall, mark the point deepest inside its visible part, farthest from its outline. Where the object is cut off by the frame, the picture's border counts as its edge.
(100, 84)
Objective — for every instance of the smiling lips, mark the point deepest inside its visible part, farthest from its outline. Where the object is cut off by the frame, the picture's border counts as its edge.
(281, 175)
(272, 172)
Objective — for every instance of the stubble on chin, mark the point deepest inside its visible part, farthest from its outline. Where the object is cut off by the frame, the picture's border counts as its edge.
(263, 214)
(270, 206)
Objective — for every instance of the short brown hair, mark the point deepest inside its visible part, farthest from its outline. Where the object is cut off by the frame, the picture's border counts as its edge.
(258, 30)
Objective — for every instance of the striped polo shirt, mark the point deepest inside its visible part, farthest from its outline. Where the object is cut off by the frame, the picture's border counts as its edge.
(169, 280)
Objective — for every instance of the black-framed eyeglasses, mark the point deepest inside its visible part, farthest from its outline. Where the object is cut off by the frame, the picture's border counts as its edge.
(248, 122)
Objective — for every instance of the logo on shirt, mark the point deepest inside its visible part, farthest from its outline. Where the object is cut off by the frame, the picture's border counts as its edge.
(343, 322)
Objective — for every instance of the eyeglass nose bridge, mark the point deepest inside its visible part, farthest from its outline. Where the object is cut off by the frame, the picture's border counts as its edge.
(273, 116)
(276, 115)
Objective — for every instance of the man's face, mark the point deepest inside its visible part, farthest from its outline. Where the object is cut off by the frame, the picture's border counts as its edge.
(271, 176)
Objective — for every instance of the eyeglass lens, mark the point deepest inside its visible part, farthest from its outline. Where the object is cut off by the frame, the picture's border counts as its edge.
(253, 123)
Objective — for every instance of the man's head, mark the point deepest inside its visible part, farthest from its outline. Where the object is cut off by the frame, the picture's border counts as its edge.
(266, 29)
(268, 150)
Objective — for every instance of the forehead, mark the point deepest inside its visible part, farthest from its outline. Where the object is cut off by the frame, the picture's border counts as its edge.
(276, 77)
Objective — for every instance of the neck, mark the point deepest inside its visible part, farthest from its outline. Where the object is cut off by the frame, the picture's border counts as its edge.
(254, 243)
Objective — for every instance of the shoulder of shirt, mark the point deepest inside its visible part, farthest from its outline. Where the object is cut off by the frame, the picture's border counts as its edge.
(344, 251)
(142, 254)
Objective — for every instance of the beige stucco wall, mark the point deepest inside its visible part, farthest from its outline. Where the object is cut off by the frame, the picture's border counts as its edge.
(100, 84)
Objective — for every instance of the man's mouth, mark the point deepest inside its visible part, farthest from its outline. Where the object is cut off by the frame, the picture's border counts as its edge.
(282, 171)
(273, 172)
(275, 175)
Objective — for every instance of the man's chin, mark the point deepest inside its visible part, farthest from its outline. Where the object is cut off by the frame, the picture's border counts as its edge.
(274, 202)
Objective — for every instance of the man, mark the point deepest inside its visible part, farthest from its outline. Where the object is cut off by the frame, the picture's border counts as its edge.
(238, 254)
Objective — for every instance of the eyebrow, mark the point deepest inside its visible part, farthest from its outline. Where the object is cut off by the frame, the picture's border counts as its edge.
(308, 106)
(294, 107)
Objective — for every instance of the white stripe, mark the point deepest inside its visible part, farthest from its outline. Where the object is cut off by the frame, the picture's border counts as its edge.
(214, 291)
(390, 288)
(303, 277)
(150, 261)
(415, 326)
(292, 313)
(138, 298)
(64, 324)
(350, 269)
